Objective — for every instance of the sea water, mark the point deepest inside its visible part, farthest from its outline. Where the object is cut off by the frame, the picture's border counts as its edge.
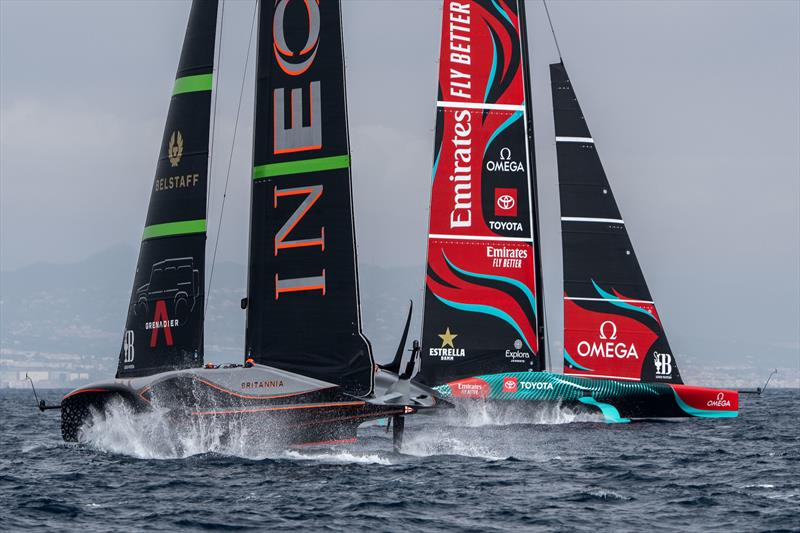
(536, 469)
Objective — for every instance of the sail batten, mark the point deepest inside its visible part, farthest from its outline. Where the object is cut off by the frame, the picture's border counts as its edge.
(482, 309)
(164, 327)
(301, 166)
(611, 327)
(194, 83)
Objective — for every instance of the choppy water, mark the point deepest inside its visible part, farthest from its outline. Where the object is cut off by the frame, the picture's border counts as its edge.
(547, 470)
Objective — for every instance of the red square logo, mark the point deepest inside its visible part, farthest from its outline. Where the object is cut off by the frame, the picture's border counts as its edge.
(505, 202)
(509, 384)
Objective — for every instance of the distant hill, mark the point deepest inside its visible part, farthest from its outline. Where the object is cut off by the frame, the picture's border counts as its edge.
(65, 322)
(70, 316)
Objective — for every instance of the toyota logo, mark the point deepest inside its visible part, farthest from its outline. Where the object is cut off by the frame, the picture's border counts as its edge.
(506, 202)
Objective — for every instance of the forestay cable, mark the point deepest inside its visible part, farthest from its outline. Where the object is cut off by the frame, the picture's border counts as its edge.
(230, 155)
(552, 30)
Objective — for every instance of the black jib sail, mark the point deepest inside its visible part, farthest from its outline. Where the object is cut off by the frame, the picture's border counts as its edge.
(303, 312)
(611, 327)
(483, 306)
(164, 329)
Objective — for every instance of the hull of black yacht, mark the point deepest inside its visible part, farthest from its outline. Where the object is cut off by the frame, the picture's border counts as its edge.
(289, 409)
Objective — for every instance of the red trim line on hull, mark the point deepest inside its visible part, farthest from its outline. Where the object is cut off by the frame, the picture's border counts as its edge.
(82, 391)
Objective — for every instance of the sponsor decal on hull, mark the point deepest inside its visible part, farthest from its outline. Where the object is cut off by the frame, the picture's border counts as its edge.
(616, 400)
(701, 401)
(469, 388)
(265, 384)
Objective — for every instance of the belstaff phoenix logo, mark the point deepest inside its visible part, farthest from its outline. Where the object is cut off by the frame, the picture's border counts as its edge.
(444, 353)
(175, 148)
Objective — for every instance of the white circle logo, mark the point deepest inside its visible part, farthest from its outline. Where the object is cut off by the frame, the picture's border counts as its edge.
(506, 202)
(517, 344)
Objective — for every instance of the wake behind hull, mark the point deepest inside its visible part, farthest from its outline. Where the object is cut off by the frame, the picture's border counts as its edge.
(617, 401)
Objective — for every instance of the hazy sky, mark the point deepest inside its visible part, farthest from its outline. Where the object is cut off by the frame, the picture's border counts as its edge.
(693, 105)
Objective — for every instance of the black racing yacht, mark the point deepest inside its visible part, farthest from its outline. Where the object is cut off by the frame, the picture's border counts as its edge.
(308, 369)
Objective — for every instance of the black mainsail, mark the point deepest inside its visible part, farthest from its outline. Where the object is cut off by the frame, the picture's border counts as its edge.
(164, 328)
(303, 310)
(611, 327)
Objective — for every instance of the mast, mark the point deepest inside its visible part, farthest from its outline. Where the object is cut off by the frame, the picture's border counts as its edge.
(164, 327)
(537, 249)
(611, 326)
(303, 307)
(482, 305)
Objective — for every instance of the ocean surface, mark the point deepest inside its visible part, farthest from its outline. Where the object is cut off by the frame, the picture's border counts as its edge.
(539, 470)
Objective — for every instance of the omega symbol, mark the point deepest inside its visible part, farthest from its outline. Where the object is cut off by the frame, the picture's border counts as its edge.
(603, 330)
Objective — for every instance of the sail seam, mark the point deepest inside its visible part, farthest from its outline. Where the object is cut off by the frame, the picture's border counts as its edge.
(169, 229)
(590, 219)
(473, 105)
(607, 300)
(318, 164)
(193, 84)
(479, 237)
(575, 140)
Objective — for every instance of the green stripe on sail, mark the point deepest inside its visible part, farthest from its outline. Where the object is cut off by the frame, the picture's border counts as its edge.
(170, 229)
(193, 84)
(300, 167)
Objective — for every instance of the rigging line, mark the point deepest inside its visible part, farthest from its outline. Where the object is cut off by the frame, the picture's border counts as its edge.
(215, 70)
(552, 30)
(230, 156)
